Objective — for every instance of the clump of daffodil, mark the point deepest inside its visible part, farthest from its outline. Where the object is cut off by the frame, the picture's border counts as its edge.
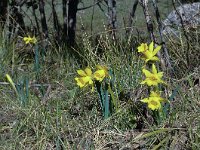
(149, 53)
(101, 73)
(31, 40)
(85, 79)
(152, 78)
(103, 88)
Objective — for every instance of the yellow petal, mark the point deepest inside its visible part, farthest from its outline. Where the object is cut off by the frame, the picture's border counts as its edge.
(146, 72)
(154, 94)
(151, 82)
(99, 67)
(90, 81)
(86, 79)
(154, 70)
(151, 45)
(154, 58)
(80, 82)
(156, 50)
(34, 40)
(143, 47)
(147, 54)
(81, 73)
(25, 38)
(145, 100)
(154, 104)
(99, 75)
(88, 71)
(160, 75)
(146, 60)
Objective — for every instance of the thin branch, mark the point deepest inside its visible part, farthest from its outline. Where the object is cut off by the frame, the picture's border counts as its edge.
(83, 8)
(131, 16)
(166, 54)
(35, 17)
(144, 4)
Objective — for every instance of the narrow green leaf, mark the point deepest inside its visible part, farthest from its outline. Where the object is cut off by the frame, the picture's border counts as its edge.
(107, 103)
(11, 83)
(113, 98)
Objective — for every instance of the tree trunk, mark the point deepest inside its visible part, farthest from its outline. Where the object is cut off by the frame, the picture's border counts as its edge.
(64, 4)
(56, 24)
(166, 54)
(144, 4)
(43, 19)
(71, 30)
(16, 18)
(3, 12)
(112, 17)
(131, 17)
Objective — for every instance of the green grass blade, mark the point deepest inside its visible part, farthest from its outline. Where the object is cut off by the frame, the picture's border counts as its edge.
(107, 103)
(11, 83)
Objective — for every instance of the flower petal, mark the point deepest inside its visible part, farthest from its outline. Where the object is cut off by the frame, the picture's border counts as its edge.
(99, 67)
(151, 45)
(88, 71)
(156, 50)
(25, 38)
(145, 100)
(90, 81)
(160, 74)
(147, 72)
(143, 47)
(99, 75)
(154, 104)
(81, 73)
(34, 40)
(151, 82)
(80, 82)
(154, 70)
(155, 94)
(155, 58)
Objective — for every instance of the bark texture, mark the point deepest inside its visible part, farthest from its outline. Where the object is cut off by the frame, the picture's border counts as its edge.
(43, 19)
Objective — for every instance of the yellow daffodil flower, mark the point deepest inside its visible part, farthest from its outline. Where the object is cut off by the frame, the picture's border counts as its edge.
(101, 73)
(152, 102)
(153, 78)
(142, 48)
(31, 40)
(85, 78)
(149, 52)
(156, 94)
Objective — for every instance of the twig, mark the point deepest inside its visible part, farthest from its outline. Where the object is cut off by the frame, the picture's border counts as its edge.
(131, 16)
(83, 8)
(144, 4)
(166, 54)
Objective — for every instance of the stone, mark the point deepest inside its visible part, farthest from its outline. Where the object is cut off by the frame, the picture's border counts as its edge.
(190, 14)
